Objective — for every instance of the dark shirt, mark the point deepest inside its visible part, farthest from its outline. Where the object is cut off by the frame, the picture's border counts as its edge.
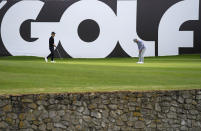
(51, 42)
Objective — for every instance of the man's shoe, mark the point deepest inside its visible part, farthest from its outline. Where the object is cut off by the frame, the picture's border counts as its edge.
(46, 60)
(140, 62)
(52, 61)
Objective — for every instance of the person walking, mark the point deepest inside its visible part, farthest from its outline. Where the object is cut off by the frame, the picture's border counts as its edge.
(142, 50)
(51, 47)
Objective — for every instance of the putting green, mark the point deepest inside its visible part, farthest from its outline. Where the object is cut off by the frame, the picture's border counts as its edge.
(22, 75)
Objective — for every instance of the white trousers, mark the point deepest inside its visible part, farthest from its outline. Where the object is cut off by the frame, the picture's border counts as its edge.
(141, 55)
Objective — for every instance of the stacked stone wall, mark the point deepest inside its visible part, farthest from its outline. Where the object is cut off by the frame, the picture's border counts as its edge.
(112, 111)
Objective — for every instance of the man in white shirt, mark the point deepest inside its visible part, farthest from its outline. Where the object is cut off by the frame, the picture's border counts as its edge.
(142, 49)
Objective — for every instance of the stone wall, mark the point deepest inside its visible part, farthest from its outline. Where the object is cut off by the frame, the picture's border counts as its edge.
(138, 111)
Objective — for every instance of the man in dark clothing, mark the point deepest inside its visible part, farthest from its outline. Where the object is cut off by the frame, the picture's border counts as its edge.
(51, 47)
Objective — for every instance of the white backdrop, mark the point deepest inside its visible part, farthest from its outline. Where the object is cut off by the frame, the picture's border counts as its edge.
(113, 28)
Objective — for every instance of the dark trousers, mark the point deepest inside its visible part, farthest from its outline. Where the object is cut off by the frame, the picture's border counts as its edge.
(52, 54)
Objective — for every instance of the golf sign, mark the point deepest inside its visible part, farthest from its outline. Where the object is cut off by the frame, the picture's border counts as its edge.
(94, 28)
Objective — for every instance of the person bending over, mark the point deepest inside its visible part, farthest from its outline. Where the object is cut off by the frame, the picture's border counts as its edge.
(142, 49)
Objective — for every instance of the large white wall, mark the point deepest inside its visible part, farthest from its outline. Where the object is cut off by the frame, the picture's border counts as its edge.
(119, 27)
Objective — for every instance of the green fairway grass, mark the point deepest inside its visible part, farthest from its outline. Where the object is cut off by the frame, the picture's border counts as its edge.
(24, 75)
